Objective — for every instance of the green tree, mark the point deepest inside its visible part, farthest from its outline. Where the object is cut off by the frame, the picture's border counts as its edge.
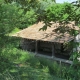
(8, 18)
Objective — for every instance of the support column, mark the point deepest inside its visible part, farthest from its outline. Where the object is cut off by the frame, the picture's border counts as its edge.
(36, 47)
(53, 55)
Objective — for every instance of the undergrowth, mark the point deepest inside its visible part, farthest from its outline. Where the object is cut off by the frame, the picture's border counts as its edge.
(17, 64)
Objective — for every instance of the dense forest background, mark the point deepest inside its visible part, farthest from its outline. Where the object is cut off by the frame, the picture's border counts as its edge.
(16, 64)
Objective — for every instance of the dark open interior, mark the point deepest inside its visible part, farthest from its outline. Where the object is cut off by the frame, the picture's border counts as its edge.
(45, 48)
(62, 52)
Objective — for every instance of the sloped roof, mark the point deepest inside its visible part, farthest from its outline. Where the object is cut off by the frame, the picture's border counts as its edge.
(50, 35)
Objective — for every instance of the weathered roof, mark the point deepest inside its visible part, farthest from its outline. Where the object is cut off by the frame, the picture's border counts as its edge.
(50, 35)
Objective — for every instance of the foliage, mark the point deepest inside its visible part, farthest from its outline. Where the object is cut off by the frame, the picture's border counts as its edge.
(8, 18)
(12, 16)
(13, 31)
(62, 13)
(27, 19)
(21, 65)
(18, 62)
(58, 13)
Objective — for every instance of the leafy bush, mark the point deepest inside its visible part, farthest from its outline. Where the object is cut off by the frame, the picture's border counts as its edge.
(9, 18)
(27, 19)
(60, 12)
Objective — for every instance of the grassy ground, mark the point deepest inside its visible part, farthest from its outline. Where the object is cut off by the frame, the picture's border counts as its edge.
(26, 72)
(24, 66)
(17, 64)
(14, 31)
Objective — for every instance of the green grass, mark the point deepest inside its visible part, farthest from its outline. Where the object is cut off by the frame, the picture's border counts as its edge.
(26, 72)
(25, 67)
(17, 64)
(14, 31)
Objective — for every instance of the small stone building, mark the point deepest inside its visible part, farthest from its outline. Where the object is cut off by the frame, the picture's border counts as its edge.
(48, 42)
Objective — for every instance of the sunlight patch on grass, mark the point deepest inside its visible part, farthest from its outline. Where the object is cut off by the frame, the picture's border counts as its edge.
(14, 31)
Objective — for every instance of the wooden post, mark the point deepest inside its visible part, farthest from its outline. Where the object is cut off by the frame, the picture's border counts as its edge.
(53, 50)
(36, 47)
